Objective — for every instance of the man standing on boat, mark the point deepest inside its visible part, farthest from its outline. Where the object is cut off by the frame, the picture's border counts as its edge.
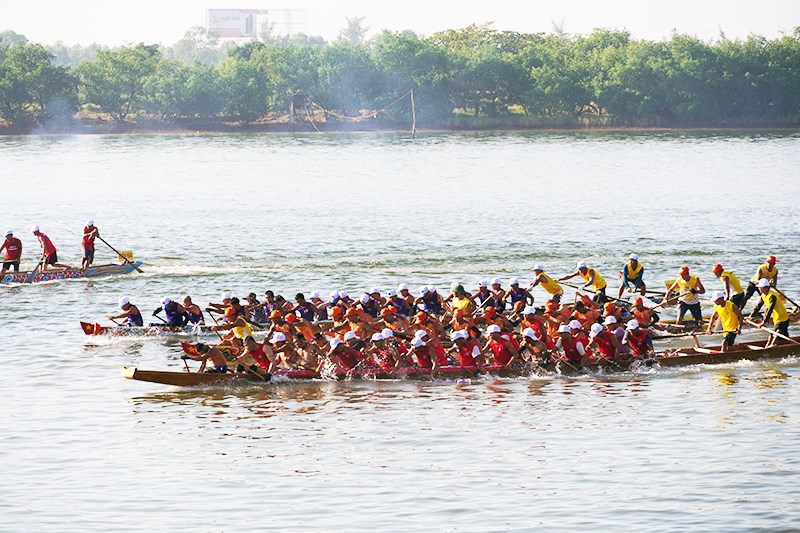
(90, 233)
(49, 254)
(731, 285)
(591, 278)
(730, 316)
(547, 283)
(632, 274)
(13, 253)
(767, 271)
(775, 310)
(689, 287)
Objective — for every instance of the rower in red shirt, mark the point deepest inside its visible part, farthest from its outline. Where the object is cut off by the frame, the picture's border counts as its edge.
(342, 355)
(502, 345)
(90, 233)
(469, 351)
(49, 254)
(604, 342)
(13, 249)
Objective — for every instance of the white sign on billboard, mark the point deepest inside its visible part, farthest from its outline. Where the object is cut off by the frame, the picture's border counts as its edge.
(233, 23)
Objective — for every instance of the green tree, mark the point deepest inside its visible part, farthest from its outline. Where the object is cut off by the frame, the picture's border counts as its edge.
(33, 89)
(114, 81)
(177, 91)
(354, 31)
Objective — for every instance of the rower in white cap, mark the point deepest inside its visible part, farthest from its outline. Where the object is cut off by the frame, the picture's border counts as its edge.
(632, 274)
(730, 316)
(90, 233)
(547, 283)
(591, 278)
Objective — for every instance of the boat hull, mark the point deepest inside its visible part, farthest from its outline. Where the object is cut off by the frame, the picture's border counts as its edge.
(98, 271)
(95, 329)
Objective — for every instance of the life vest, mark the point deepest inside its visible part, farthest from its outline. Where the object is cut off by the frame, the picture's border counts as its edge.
(348, 357)
(733, 281)
(465, 357)
(727, 317)
(517, 295)
(604, 345)
(599, 283)
(88, 242)
(633, 273)
(502, 355)
(423, 358)
(685, 287)
(764, 271)
(260, 358)
(639, 342)
(550, 285)
(13, 249)
(779, 313)
(571, 349)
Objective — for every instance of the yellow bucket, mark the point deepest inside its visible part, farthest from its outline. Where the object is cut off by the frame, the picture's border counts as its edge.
(125, 255)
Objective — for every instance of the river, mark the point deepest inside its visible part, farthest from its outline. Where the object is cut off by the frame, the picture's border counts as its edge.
(694, 449)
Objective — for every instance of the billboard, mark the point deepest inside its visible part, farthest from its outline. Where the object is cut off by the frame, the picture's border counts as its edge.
(233, 23)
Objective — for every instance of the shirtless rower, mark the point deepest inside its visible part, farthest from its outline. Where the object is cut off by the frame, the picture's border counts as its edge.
(193, 311)
(591, 278)
(262, 356)
(206, 353)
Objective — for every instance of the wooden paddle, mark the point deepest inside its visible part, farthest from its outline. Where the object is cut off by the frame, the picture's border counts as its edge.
(576, 287)
(787, 298)
(772, 332)
(125, 259)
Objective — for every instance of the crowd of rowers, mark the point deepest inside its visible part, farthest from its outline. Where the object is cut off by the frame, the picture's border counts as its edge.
(491, 325)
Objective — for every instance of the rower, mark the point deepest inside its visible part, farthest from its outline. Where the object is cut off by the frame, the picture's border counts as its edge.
(254, 311)
(130, 313)
(285, 354)
(586, 311)
(13, 253)
(547, 283)
(502, 346)
(406, 295)
(193, 311)
(375, 294)
(604, 341)
(574, 349)
(369, 305)
(429, 328)
(304, 309)
(484, 296)
(235, 322)
(767, 271)
(518, 294)
(775, 310)
(461, 320)
(491, 316)
(262, 355)
(49, 253)
(468, 349)
(175, 312)
(613, 326)
(354, 341)
(644, 316)
(632, 274)
(309, 352)
(360, 323)
(460, 299)
(532, 343)
(300, 325)
(400, 305)
(90, 233)
(499, 295)
(638, 340)
(342, 355)
(382, 354)
(531, 318)
(220, 308)
(688, 300)
(320, 313)
(732, 287)
(730, 317)
(423, 354)
(397, 323)
(429, 300)
(204, 353)
(591, 278)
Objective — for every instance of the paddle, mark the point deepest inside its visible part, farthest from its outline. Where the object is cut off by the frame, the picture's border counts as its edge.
(584, 289)
(35, 271)
(125, 259)
(772, 332)
(789, 299)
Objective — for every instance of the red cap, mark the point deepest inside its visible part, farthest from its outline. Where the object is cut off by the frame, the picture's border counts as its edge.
(771, 259)
(275, 314)
(684, 270)
(609, 307)
(291, 318)
(351, 313)
(489, 311)
(549, 305)
(717, 269)
(637, 301)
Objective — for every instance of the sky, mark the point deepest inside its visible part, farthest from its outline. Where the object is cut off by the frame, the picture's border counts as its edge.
(114, 23)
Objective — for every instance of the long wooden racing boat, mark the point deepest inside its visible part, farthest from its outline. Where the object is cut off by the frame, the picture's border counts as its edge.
(94, 329)
(751, 351)
(70, 273)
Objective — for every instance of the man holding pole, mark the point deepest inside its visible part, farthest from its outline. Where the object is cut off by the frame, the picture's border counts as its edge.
(775, 310)
(90, 233)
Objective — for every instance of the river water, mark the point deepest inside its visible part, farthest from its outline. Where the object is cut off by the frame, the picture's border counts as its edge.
(695, 449)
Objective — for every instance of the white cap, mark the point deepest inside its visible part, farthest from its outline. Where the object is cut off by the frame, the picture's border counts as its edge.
(529, 310)
(35, 229)
(494, 328)
(763, 282)
(278, 337)
(123, 302)
(420, 333)
(459, 334)
(333, 295)
(227, 296)
(496, 281)
(417, 343)
(314, 294)
(424, 289)
(581, 264)
(513, 281)
(392, 292)
(377, 337)
(454, 286)
(350, 335)
(9, 232)
(596, 330)
(373, 290)
(574, 324)
(387, 333)
(335, 342)
(632, 324)
(609, 320)
(90, 222)
(402, 287)
(165, 301)
(718, 295)
(563, 328)
(483, 283)
(343, 294)
(365, 298)
(431, 289)
(633, 257)
(528, 332)
(538, 266)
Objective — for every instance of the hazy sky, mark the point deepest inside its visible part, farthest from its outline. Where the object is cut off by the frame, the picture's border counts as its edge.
(111, 22)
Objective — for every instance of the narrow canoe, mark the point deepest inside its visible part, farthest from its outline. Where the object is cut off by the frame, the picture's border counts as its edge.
(93, 328)
(70, 273)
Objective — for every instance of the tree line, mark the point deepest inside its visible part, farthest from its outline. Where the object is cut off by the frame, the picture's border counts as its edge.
(475, 73)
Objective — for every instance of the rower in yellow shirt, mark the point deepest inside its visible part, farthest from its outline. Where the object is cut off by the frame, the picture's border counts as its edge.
(632, 274)
(730, 283)
(591, 278)
(688, 287)
(775, 310)
(730, 318)
(767, 271)
(549, 284)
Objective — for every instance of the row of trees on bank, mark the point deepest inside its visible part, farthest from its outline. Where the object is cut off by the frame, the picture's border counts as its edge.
(476, 70)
